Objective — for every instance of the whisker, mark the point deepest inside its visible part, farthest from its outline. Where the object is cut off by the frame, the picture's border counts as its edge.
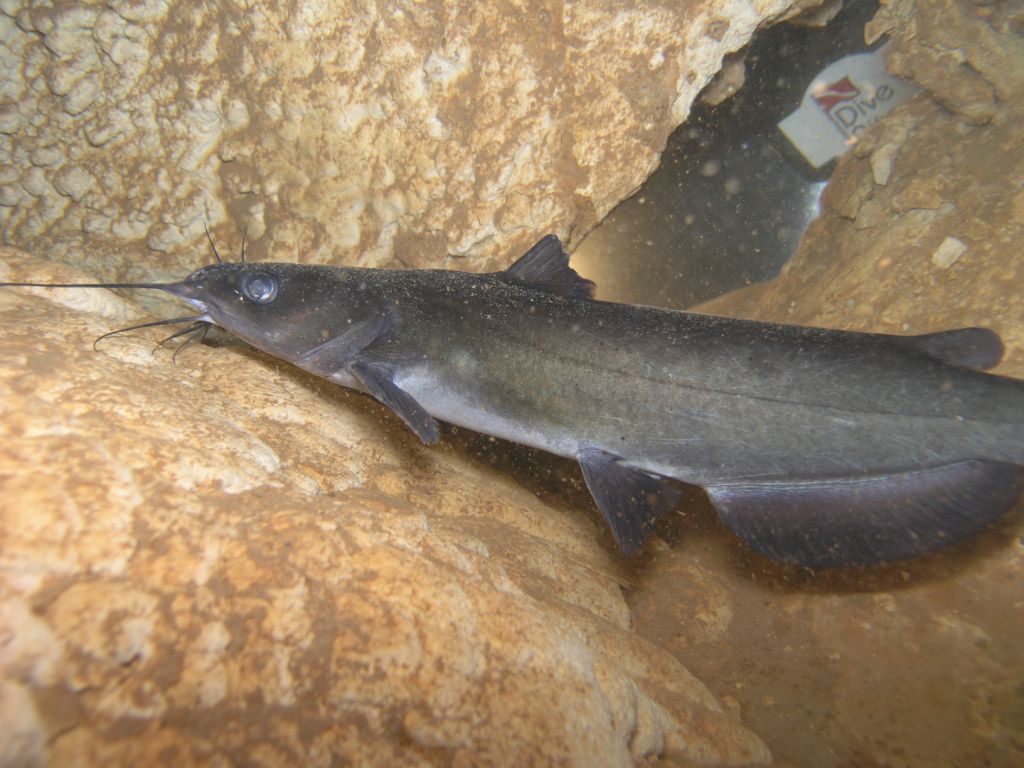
(158, 286)
(179, 333)
(153, 324)
(213, 246)
(199, 332)
(196, 330)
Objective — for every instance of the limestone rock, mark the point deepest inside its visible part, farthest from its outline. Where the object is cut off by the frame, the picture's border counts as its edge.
(227, 560)
(966, 54)
(344, 131)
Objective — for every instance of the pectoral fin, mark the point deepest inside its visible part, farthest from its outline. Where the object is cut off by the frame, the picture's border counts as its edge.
(380, 382)
(630, 500)
(868, 519)
(337, 352)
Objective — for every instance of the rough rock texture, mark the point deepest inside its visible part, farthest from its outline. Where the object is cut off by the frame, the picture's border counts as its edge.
(919, 664)
(354, 131)
(227, 560)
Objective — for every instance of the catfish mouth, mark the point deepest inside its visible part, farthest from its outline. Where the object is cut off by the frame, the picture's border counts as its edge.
(180, 289)
(187, 293)
(196, 326)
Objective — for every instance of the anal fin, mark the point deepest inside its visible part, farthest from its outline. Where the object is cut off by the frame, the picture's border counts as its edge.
(631, 501)
(864, 520)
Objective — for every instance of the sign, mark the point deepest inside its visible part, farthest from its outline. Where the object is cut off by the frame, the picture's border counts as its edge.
(843, 101)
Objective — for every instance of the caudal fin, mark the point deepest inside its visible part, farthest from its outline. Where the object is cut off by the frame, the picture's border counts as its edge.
(868, 519)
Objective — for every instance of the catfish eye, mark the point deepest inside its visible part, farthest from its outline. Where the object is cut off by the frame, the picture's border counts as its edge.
(259, 287)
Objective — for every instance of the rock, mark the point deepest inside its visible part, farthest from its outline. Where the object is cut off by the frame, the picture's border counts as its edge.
(949, 250)
(227, 560)
(918, 663)
(966, 54)
(340, 131)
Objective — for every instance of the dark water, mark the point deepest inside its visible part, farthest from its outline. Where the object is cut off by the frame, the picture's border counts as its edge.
(731, 199)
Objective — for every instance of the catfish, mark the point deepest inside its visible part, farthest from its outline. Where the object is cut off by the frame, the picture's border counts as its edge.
(817, 447)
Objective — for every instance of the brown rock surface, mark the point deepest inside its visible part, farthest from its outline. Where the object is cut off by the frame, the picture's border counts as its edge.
(339, 130)
(922, 229)
(226, 560)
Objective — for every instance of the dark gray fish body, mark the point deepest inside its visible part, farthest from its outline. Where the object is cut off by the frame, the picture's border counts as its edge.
(698, 398)
(816, 446)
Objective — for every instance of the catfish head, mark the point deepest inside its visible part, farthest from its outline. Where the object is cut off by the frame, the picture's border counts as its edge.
(287, 310)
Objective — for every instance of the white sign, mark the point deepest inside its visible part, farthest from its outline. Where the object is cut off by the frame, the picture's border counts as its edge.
(845, 98)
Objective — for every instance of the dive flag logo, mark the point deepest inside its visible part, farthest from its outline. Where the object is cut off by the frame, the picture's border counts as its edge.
(827, 97)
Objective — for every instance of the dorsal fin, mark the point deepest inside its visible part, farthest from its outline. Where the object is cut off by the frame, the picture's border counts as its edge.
(546, 266)
(978, 348)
